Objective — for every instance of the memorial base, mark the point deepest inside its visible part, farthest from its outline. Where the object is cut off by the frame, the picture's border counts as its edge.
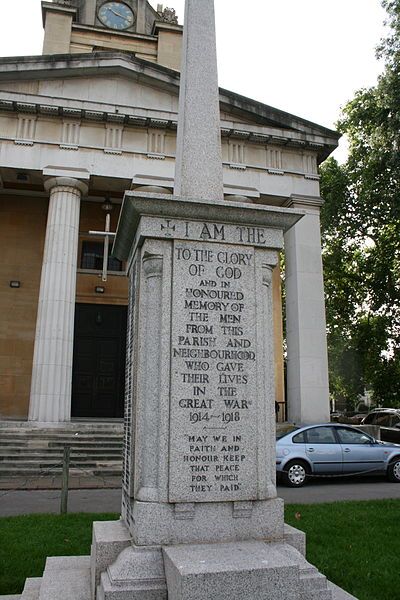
(160, 524)
(252, 569)
(119, 570)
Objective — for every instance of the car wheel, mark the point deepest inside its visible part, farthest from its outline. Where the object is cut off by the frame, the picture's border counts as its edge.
(393, 471)
(295, 473)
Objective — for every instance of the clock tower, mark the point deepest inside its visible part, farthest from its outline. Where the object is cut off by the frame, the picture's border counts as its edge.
(133, 26)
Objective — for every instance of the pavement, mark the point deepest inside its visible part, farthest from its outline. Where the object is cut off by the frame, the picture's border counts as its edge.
(23, 502)
(53, 482)
(20, 502)
(340, 489)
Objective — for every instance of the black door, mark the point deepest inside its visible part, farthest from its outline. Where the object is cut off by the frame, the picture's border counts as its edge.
(98, 374)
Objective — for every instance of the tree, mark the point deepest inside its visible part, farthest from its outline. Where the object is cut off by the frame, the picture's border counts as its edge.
(361, 237)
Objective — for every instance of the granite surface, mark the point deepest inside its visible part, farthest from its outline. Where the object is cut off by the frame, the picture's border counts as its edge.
(214, 400)
(198, 168)
(237, 571)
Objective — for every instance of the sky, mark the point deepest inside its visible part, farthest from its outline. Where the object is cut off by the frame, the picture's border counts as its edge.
(306, 57)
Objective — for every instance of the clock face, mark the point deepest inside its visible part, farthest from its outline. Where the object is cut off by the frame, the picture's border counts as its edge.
(116, 15)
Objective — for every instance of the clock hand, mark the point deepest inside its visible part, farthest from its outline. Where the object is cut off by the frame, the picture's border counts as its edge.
(117, 13)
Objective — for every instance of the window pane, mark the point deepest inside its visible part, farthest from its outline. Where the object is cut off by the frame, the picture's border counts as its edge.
(349, 436)
(92, 257)
(321, 435)
(299, 438)
(370, 419)
(383, 419)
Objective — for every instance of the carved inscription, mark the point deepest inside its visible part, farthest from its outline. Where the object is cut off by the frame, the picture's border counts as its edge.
(213, 360)
(246, 235)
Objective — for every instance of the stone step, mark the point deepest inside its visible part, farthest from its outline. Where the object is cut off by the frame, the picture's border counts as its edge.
(32, 472)
(32, 588)
(44, 454)
(14, 597)
(66, 578)
(60, 438)
(43, 465)
(27, 443)
(33, 451)
(71, 426)
(47, 463)
(315, 581)
(338, 593)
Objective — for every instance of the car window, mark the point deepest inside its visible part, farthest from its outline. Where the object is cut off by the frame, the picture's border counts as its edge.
(351, 436)
(321, 435)
(394, 420)
(299, 438)
(383, 419)
(370, 419)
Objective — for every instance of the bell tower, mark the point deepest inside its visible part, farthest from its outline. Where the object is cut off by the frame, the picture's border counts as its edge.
(133, 26)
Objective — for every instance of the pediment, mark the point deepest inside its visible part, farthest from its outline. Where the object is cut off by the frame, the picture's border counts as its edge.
(104, 91)
(109, 79)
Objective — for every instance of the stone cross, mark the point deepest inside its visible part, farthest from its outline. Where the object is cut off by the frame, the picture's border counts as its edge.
(198, 170)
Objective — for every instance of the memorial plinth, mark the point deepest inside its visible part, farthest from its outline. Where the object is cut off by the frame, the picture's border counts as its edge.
(200, 428)
(200, 515)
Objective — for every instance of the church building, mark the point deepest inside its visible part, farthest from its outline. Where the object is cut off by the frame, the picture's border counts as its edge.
(96, 115)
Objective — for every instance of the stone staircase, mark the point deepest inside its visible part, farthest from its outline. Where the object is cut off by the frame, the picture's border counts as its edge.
(35, 454)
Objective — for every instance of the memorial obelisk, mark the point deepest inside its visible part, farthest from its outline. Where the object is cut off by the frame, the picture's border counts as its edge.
(199, 494)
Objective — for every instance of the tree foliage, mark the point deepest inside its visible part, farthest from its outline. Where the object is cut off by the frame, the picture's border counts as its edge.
(361, 237)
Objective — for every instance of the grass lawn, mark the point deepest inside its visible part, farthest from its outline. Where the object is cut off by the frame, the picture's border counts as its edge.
(26, 541)
(355, 544)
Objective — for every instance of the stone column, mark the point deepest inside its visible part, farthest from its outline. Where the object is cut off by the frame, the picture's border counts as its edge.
(307, 366)
(265, 263)
(50, 399)
(149, 460)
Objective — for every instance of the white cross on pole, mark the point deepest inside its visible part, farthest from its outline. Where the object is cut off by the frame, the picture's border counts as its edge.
(107, 234)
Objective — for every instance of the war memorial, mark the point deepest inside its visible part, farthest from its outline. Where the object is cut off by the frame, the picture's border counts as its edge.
(200, 516)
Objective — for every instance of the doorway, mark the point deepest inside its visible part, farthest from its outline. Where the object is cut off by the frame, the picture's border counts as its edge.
(98, 373)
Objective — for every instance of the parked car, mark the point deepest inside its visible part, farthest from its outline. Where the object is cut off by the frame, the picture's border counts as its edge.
(388, 419)
(333, 449)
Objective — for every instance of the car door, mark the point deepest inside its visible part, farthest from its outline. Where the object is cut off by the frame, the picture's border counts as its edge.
(323, 450)
(360, 452)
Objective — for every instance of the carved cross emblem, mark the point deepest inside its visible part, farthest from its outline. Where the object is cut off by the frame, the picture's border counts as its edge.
(168, 228)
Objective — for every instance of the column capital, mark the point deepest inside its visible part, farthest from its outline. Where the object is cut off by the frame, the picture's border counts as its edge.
(300, 201)
(67, 177)
(71, 182)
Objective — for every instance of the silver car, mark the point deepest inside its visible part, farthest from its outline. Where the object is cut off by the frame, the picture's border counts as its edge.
(333, 449)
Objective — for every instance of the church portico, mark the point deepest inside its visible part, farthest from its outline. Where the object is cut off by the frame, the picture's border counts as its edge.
(107, 116)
